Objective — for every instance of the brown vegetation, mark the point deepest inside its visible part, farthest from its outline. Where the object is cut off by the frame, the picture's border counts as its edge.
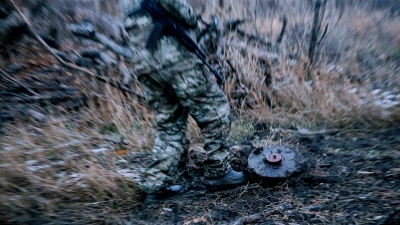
(47, 163)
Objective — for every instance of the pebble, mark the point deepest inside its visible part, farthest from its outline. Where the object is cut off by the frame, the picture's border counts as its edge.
(8, 149)
(377, 217)
(35, 168)
(31, 162)
(100, 150)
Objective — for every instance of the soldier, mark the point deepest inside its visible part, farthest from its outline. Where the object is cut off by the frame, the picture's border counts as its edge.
(176, 84)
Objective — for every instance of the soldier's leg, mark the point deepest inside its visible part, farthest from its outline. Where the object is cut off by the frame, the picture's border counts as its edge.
(171, 121)
(209, 106)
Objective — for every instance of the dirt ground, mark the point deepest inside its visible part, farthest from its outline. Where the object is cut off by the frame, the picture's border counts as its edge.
(349, 177)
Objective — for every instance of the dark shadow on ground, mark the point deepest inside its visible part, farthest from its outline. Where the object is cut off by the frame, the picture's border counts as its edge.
(349, 177)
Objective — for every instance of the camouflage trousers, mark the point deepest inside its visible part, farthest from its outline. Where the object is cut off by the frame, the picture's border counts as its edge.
(174, 94)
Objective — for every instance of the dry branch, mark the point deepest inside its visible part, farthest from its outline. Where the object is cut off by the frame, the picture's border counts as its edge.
(253, 37)
(323, 34)
(239, 80)
(282, 33)
(315, 31)
(257, 52)
(66, 64)
(255, 218)
(17, 82)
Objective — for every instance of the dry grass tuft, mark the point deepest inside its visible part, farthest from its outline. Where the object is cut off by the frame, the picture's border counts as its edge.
(52, 172)
(355, 63)
(242, 129)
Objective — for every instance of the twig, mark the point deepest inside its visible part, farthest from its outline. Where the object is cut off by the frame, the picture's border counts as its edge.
(255, 17)
(42, 98)
(17, 82)
(314, 132)
(383, 18)
(252, 37)
(323, 35)
(106, 139)
(254, 218)
(341, 13)
(68, 65)
(280, 37)
(238, 77)
(315, 31)
(233, 25)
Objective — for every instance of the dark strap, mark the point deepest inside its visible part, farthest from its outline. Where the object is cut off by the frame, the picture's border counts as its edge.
(155, 35)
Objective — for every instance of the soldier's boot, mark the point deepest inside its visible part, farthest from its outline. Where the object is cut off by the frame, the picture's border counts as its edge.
(167, 192)
(232, 178)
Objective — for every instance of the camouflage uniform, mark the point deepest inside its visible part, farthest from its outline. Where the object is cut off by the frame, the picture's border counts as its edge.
(181, 85)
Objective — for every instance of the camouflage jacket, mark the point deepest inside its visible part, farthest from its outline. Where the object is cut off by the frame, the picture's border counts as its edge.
(169, 53)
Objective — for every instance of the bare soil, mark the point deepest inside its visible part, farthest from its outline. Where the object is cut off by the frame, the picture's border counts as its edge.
(348, 177)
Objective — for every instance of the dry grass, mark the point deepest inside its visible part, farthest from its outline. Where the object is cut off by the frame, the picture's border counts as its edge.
(49, 173)
(358, 56)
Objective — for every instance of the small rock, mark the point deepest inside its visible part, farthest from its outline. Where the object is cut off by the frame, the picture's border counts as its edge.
(40, 117)
(77, 176)
(100, 150)
(331, 67)
(31, 162)
(376, 91)
(353, 91)
(36, 168)
(6, 165)
(313, 208)
(127, 173)
(60, 175)
(236, 148)
(8, 149)
(122, 161)
(365, 173)
(74, 175)
(377, 217)
(286, 206)
(36, 150)
(58, 163)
